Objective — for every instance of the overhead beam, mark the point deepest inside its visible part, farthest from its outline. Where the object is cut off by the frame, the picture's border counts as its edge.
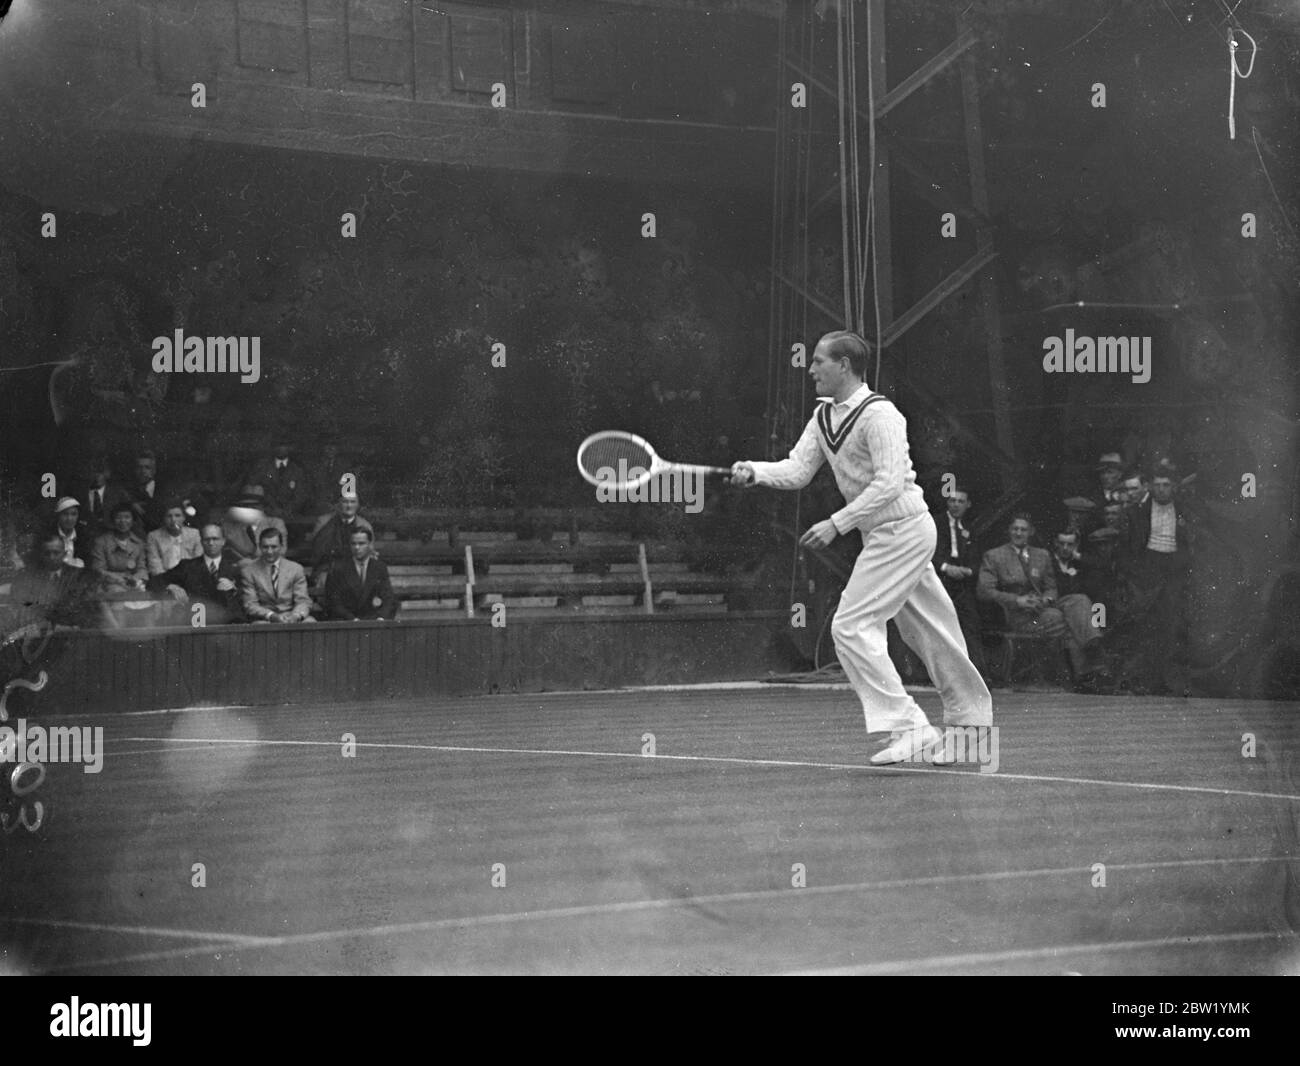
(937, 295)
(926, 72)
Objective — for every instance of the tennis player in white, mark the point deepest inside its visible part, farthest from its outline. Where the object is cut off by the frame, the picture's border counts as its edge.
(864, 438)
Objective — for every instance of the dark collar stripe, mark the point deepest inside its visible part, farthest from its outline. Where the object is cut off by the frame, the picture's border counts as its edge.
(835, 438)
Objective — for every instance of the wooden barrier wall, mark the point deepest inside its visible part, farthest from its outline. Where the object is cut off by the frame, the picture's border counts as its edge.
(93, 672)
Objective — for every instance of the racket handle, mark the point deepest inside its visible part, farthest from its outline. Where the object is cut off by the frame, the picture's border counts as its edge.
(692, 468)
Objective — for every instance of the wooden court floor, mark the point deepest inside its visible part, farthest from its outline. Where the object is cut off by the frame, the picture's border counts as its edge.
(530, 834)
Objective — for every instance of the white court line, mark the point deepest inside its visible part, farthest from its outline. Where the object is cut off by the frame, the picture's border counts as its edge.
(641, 906)
(965, 774)
(1025, 954)
(141, 930)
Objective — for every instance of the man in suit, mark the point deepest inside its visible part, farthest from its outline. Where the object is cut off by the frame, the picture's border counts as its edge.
(273, 588)
(288, 491)
(1069, 572)
(246, 519)
(100, 496)
(50, 592)
(954, 559)
(147, 495)
(359, 588)
(76, 537)
(1110, 476)
(331, 540)
(211, 579)
(1021, 580)
(1159, 563)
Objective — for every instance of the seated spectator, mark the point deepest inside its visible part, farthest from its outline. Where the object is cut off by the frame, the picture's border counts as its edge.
(331, 540)
(1113, 517)
(1021, 580)
(274, 589)
(359, 588)
(1079, 515)
(1103, 580)
(1110, 472)
(211, 579)
(118, 558)
(101, 495)
(288, 491)
(49, 592)
(246, 519)
(1069, 568)
(146, 494)
(68, 527)
(954, 559)
(174, 541)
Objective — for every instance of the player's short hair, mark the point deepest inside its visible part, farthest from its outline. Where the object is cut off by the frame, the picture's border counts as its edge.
(845, 344)
(1067, 533)
(267, 533)
(118, 508)
(365, 532)
(1022, 516)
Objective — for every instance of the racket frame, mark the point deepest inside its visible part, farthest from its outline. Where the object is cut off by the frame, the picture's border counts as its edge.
(658, 466)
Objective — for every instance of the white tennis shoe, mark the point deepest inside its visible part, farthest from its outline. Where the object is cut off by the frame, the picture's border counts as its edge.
(916, 745)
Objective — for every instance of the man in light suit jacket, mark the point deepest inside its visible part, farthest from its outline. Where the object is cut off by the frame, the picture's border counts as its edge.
(359, 588)
(1022, 580)
(274, 588)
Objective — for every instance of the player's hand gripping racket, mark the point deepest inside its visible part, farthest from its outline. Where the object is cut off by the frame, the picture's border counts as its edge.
(624, 461)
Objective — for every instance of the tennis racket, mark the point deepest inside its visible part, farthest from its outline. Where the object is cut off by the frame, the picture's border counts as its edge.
(619, 460)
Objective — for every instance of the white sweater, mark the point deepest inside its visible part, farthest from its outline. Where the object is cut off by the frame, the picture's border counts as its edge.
(865, 441)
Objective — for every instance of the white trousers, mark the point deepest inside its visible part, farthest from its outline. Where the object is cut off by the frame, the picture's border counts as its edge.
(894, 578)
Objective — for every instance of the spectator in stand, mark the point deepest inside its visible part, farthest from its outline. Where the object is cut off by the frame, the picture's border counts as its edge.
(288, 492)
(331, 540)
(167, 546)
(1103, 580)
(146, 494)
(1069, 570)
(328, 481)
(1159, 561)
(118, 558)
(68, 527)
(49, 592)
(1079, 513)
(274, 589)
(1021, 580)
(211, 579)
(101, 495)
(1110, 472)
(245, 521)
(954, 558)
(1137, 490)
(1113, 517)
(358, 588)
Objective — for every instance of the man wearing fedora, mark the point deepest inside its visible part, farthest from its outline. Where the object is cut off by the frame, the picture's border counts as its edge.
(1110, 474)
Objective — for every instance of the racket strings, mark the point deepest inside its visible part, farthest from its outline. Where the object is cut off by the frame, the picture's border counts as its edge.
(614, 459)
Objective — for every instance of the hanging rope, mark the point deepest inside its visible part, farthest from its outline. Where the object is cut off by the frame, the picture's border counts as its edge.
(1236, 72)
(871, 195)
